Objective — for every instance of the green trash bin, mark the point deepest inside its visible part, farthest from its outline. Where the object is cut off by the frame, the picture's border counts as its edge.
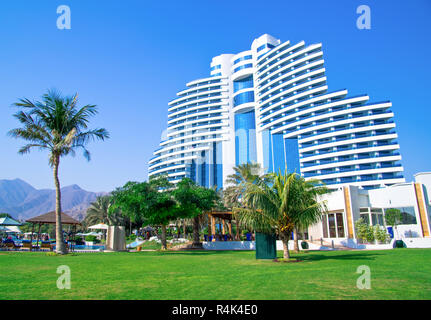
(266, 246)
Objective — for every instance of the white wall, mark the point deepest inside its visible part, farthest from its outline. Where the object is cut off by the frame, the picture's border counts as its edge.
(334, 200)
(400, 195)
(224, 61)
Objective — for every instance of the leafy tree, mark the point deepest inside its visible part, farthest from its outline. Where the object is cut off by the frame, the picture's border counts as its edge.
(56, 124)
(194, 200)
(393, 218)
(150, 202)
(280, 203)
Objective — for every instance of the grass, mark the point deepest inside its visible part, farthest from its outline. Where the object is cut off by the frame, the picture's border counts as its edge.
(395, 274)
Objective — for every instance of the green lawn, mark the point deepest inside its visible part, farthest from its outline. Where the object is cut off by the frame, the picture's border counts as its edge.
(395, 274)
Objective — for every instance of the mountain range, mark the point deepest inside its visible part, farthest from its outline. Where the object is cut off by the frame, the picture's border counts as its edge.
(22, 201)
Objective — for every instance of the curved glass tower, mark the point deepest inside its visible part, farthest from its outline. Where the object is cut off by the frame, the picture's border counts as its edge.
(271, 105)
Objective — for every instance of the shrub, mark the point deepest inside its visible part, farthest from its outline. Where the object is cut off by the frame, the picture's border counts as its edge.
(304, 245)
(91, 238)
(364, 231)
(131, 237)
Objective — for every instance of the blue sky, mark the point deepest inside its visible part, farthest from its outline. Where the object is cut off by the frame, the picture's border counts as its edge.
(131, 57)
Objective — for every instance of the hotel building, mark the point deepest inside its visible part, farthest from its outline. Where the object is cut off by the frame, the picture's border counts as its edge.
(271, 104)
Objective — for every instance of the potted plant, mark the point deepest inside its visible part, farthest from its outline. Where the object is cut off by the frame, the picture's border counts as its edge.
(246, 235)
(364, 232)
(381, 235)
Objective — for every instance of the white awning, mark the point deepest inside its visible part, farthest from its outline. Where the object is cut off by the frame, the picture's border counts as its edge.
(10, 229)
(99, 226)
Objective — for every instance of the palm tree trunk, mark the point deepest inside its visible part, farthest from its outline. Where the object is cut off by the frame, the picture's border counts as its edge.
(164, 245)
(285, 240)
(286, 253)
(196, 240)
(295, 246)
(59, 243)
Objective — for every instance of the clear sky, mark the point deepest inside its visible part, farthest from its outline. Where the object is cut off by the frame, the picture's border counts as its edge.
(131, 57)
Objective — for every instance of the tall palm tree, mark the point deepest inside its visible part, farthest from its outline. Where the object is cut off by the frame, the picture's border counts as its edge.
(280, 204)
(56, 124)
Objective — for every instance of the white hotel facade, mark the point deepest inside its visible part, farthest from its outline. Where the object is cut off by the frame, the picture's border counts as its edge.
(271, 105)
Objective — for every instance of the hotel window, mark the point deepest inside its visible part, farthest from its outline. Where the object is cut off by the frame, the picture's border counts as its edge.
(377, 216)
(248, 57)
(372, 216)
(243, 84)
(408, 215)
(216, 67)
(245, 66)
(333, 225)
(266, 45)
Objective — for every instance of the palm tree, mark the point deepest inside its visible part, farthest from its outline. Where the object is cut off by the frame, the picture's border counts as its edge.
(98, 212)
(280, 204)
(56, 124)
(244, 173)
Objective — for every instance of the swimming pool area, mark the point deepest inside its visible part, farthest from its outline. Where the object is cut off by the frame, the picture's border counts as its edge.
(24, 245)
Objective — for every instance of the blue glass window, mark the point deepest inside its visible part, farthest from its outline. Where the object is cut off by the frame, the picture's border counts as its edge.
(266, 45)
(245, 138)
(242, 59)
(292, 155)
(267, 151)
(278, 152)
(245, 66)
(244, 97)
(243, 84)
(216, 67)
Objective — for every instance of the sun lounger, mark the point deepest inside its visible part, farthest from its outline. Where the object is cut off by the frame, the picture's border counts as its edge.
(11, 245)
(26, 245)
(46, 245)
